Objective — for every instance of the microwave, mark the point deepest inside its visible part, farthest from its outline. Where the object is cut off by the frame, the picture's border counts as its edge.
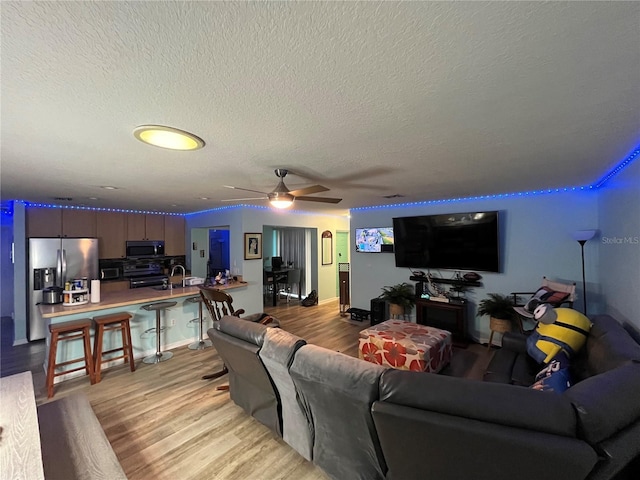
(145, 248)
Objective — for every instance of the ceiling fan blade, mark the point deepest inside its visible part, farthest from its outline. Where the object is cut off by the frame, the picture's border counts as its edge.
(319, 199)
(242, 199)
(309, 190)
(245, 189)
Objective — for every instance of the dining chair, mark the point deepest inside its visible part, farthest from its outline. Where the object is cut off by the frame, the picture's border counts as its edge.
(219, 304)
(292, 278)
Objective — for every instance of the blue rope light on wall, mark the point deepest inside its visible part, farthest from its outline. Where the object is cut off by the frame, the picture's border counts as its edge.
(96, 209)
(617, 169)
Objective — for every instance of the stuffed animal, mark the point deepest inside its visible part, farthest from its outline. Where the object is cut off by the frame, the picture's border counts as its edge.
(558, 330)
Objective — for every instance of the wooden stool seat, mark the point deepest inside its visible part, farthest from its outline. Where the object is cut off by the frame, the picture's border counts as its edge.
(68, 331)
(104, 323)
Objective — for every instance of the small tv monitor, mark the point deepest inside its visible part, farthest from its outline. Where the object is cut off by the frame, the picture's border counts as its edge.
(276, 263)
(374, 239)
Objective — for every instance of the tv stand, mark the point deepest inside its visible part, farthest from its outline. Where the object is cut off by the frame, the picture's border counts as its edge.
(445, 316)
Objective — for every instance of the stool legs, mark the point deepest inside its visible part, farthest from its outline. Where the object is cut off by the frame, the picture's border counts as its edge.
(201, 344)
(103, 323)
(159, 356)
(69, 331)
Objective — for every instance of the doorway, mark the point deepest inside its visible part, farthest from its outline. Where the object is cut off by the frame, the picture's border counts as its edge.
(219, 252)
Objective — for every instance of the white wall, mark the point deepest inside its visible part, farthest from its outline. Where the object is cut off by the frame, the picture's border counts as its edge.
(619, 245)
(535, 242)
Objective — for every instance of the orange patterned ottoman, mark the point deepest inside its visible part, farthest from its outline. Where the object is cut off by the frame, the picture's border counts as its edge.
(406, 346)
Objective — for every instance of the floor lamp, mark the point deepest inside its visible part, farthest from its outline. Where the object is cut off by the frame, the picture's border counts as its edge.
(581, 236)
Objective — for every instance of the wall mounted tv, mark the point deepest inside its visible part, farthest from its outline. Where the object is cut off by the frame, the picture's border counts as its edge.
(456, 241)
(374, 239)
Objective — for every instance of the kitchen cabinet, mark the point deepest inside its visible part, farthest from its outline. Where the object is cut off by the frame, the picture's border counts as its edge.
(141, 226)
(60, 222)
(44, 222)
(174, 235)
(111, 230)
(78, 223)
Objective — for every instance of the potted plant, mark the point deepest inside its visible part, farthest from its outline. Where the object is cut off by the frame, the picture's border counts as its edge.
(502, 317)
(401, 298)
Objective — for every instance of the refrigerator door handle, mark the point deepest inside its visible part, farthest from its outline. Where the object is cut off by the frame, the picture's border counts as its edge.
(59, 281)
(64, 266)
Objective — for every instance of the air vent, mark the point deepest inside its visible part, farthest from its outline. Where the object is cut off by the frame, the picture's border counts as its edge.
(63, 199)
(395, 195)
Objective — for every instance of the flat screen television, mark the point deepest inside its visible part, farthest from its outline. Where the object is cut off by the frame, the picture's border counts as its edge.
(456, 241)
(374, 239)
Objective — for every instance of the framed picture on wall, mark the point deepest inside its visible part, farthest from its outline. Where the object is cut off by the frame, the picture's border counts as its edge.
(252, 246)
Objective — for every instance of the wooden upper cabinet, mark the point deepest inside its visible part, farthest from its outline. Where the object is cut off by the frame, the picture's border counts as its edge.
(44, 222)
(60, 222)
(78, 223)
(135, 226)
(111, 228)
(174, 230)
(142, 226)
(154, 226)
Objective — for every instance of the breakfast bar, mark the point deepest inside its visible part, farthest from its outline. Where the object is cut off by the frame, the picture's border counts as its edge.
(178, 329)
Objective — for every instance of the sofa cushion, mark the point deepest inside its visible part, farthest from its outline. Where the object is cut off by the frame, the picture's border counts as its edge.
(607, 403)
(277, 355)
(243, 329)
(485, 401)
(336, 392)
(608, 346)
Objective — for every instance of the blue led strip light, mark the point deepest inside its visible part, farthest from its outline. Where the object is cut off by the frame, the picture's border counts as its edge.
(618, 168)
(97, 209)
(479, 197)
(634, 154)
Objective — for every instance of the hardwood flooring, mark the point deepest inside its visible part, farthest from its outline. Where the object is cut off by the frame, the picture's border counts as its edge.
(165, 423)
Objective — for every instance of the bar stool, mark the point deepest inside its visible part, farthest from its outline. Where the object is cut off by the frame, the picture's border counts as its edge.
(106, 323)
(69, 331)
(158, 356)
(201, 344)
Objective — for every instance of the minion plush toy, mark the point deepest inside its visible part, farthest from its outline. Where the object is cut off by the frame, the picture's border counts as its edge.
(558, 330)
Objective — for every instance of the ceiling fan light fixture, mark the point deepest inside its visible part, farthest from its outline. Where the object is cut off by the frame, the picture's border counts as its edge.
(168, 137)
(281, 200)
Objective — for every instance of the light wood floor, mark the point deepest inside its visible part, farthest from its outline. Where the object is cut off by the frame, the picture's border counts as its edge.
(164, 422)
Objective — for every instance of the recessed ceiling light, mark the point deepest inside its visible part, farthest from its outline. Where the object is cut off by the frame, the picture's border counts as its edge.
(93, 198)
(203, 198)
(168, 137)
(108, 187)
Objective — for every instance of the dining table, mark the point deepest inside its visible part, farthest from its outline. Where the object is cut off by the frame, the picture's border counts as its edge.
(276, 276)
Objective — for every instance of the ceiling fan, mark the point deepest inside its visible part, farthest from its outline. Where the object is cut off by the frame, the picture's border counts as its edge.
(282, 197)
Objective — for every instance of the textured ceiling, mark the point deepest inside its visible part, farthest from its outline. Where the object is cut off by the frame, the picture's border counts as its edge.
(430, 100)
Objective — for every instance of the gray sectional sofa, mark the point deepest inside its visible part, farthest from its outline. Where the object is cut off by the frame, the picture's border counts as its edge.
(357, 420)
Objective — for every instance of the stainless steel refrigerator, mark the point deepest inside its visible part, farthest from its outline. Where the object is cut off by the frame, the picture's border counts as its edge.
(53, 261)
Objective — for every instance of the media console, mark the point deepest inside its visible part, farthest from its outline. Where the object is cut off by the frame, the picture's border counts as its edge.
(445, 316)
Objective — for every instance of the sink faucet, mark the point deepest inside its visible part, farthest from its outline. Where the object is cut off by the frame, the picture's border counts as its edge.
(173, 271)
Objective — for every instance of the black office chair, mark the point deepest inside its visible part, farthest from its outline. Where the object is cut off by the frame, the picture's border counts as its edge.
(292, 278)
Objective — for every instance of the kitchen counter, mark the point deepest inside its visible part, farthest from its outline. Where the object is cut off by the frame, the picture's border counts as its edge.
(180, 324)
(129, 297)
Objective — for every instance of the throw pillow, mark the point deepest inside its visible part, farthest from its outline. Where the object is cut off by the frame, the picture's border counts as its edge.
(544, 295)
(557, 382)
(568, 333)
